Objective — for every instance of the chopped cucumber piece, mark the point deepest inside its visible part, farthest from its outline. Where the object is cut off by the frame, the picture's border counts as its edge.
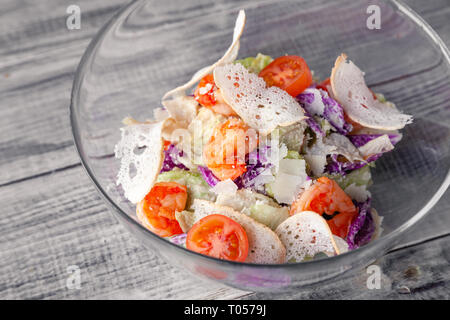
(269, 215)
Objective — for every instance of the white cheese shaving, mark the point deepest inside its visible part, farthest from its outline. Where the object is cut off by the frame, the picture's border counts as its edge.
(316, 107)
(225, 187)
(290, 180)
(341, 244)
(342, 145)
(316, 162)
(378, 145)
(182, 109)
(335, 143)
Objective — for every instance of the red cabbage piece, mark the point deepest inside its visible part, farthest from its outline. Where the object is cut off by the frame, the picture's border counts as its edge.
(257, 163)
(315, 127)
(336, 166)
(208, 176)
(332, 110)
(306, 98)
(362, 227)
(334, 113)
(171, 156)
(361, 139)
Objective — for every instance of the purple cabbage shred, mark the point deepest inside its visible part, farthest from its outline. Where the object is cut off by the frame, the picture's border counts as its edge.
(362, 227)
(336, 166)
(208, 176)
(171, 156)
(257, 163)
(315, 127)
(332, 110)
(361, 139)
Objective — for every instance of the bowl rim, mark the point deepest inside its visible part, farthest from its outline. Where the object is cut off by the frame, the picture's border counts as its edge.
(382, 242)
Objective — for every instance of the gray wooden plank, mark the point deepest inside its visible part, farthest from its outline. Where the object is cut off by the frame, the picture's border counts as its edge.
(57, 220)
(38, 58)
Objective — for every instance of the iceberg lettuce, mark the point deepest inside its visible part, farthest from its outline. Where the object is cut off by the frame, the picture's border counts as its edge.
(197, 187)
(255, 64)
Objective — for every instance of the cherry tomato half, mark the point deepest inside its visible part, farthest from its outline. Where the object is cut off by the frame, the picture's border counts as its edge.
(157, 210)
(324, 85)
(326, 198)
(220, 237)
(166, 145)
(290, 73)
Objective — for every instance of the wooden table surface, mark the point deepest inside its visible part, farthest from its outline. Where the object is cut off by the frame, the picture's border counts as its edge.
(52, 217)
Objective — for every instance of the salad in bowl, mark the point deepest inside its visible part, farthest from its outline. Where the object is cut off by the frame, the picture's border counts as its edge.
(255, 160)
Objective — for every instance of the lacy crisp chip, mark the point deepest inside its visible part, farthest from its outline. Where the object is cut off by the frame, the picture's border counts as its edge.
(140, 151)
(260, 107)
(306, 234)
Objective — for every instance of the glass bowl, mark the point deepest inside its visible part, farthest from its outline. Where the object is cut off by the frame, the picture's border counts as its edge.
(150, 47)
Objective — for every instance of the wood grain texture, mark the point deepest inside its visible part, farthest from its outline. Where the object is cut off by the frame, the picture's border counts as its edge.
(58, 220)
(38, 58)
(52, 216)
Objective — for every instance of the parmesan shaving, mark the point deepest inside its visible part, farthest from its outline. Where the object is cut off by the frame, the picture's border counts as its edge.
(378, 145)
(350, 90)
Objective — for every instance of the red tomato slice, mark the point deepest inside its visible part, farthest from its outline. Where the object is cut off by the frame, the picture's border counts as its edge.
(326, 198)
(157, 210)
(166, 144)
(290, 73)
(220, 237)
(324, 84)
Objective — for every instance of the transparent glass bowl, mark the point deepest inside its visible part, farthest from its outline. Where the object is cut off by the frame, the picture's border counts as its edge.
(150, 47)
